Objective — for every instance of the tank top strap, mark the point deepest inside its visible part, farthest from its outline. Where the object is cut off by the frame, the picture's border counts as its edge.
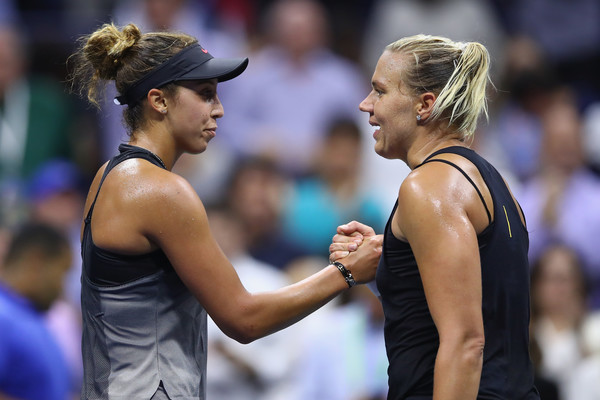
(461, 153)
(126, 152)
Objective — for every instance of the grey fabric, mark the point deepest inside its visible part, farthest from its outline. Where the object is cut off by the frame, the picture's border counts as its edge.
(160, 394)
(139, 334)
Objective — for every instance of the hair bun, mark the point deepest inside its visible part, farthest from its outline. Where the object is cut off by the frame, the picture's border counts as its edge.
(106, 47)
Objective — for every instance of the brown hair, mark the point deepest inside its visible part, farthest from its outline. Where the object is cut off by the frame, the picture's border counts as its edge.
(457, 73)
(123, 55)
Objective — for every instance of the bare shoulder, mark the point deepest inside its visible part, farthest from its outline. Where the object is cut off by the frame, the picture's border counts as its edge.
(162, 195)
(137, 202)
(441, 190)
(428, 183)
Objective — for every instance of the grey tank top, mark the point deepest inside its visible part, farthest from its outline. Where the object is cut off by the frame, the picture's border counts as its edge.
(141, 333)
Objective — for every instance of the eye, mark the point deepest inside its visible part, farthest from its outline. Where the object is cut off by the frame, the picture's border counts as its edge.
(208, 95)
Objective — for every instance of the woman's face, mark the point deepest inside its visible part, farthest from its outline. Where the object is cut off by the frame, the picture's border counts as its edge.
(392, 110)
(193, 117)
(558, 286)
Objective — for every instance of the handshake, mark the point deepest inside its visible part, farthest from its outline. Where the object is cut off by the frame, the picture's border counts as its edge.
(358, 248)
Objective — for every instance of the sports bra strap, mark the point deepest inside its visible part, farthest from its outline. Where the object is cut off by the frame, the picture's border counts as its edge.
(468, 178)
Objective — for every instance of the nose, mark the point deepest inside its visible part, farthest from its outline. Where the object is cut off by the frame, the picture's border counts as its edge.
(217, 111)
(366, 105)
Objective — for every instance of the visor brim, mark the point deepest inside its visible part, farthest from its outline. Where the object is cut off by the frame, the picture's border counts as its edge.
(223, 69)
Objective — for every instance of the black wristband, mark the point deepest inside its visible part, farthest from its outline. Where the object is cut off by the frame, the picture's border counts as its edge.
(345, 273)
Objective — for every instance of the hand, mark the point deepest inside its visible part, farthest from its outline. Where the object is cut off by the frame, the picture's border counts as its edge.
(362, 262)
(348, 238)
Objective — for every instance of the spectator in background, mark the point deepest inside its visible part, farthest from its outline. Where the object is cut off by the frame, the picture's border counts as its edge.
(344, 358)
(526, 87)
(568, 34)
(561, 200)
(331, 195)
(56, 197)
(585, 384)
(32, 366)
(559, 305)
(464, 20)
(264, 369)
(256, 193)
(34, 113)
(295, 85)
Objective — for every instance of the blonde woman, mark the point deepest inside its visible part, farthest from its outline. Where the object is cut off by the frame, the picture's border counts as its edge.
(454, 275)
(152, 269)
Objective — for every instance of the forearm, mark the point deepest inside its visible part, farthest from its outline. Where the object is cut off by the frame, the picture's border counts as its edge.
(264, 313)
(458, 371)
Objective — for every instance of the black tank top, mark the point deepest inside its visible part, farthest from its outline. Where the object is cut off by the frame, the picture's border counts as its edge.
(411, 336)
(107, 268)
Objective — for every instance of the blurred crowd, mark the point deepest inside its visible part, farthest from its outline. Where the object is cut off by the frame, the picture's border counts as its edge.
(293, 159)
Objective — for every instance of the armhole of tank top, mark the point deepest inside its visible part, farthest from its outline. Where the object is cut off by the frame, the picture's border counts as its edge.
(487, 211)
(109, 167)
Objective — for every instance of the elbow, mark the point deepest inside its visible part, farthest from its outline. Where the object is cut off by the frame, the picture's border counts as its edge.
(475, 346)
(242, 327)
(241, 333)
(470, 345)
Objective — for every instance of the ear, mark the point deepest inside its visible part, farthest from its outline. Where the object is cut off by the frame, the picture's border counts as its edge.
(425, 104)
(157, 100)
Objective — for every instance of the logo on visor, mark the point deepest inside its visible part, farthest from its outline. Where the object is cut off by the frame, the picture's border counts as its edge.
(204, 50)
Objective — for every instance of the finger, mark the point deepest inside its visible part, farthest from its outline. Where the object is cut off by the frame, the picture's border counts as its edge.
(333, 247)
(355, 226)
(337, 255)
(337, 238)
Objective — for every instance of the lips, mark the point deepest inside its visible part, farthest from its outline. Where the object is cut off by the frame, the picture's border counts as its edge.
(377, 128)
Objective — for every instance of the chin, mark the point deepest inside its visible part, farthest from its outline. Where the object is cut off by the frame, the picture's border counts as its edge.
(380, 150)
(200, 148)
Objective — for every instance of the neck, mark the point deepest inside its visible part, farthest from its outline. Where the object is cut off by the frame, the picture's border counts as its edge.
(164, 151)
(428, 145)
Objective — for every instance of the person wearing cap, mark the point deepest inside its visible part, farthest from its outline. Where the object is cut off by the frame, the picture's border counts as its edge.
(152, 269)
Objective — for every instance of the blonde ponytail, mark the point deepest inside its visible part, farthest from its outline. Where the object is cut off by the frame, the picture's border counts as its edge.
(457, 73)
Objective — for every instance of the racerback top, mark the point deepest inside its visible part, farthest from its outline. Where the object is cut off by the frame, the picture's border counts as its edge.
(410, 334)
(141, 325)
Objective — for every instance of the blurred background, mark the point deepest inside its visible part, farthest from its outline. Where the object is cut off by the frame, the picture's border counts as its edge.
(293, 158)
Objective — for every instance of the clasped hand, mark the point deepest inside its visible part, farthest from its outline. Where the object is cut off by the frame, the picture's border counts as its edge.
(357, 247)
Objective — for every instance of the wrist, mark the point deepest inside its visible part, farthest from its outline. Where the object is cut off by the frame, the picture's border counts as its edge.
(346, 273)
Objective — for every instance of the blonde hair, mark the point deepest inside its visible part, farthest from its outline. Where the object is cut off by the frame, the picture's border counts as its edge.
(456, 72)
(122, 55)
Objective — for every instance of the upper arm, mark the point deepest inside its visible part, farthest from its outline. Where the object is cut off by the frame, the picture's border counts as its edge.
(444, 241)
(181, 230)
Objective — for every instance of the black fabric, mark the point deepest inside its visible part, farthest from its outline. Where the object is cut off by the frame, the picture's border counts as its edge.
(487, 210)
(191, 63)
(411, 337)
(107, 268)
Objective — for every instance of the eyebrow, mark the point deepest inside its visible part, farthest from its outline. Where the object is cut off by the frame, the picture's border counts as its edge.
(378, 84)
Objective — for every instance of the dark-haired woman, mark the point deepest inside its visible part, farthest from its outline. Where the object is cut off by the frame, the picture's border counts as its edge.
(151, 267)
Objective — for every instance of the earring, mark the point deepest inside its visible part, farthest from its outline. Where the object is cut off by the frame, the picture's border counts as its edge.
(418, 117)
(164, 111)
